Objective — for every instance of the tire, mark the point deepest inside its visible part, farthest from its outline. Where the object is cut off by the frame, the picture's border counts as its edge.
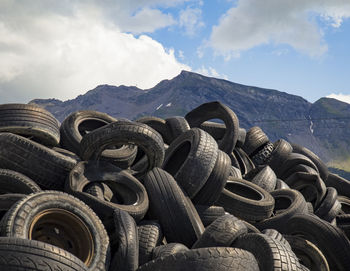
(298, 168)
(66, 153)
(310, 185)
(213, 187)
(345, 204)
(281, 151)
(150, 236)
(341, 184)
(21, 254)
(245, 163)
(126, 257)
(101, 191)
(49, 169)
(176, 125)
(255, 140)
(125, 132)
(217, 110)
(281, 185)
(235, 173)
(294, 159)
(168, 204)
(216, 130)
(274, 234)
(221, 233)
(31, 121)
(330, 207)
(168, 249)
(209, 213)
(263, 155)
(343, 223)
(246, 200)
(79, 123)
(190, 159)
(308, 254)
(159, 125)
(270, 253)
(264, 177)
(38, 216)
(322, 168)
(242, 133)
(7, 201)
(333, 243)
(288, 202)
(128, 193)
(15, 182)
(205, 259)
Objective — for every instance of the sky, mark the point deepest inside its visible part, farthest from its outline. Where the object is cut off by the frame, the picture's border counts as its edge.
(61, 49)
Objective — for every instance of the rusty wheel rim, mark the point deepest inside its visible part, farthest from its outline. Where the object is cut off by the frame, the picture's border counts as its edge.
(65, 230)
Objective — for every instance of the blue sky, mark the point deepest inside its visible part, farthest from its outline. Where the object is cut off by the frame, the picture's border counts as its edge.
(60, 49)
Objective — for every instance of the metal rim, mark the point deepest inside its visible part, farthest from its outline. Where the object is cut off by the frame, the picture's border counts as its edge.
(65, 230)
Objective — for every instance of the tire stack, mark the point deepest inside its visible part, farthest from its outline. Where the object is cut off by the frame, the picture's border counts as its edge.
(182, 193)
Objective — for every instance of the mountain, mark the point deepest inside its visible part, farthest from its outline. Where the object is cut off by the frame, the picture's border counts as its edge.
(323, 127)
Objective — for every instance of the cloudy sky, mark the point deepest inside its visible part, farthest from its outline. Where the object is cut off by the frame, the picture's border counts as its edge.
(60, 49)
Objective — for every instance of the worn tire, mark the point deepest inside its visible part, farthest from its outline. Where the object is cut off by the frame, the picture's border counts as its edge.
(246, 200)
(330, 207)
(310, 185)
(217, 110)
(150, 236)
(30, 216)
(270, 253)
(17, 254)
(128, 193)
(175, 212)
(288, 202)
(341, 184)
(205, 259)
(280, 152)
(126, 257)
(221, 233)
(309, 255)
(333, 243)
(264, 177)
(213, 187)
(79, 123)
(190, 159)
(176, 125)
(15, 182)
(31, 121)
(49, 169)
(263, 155)
(209, 213)
(159, 125)
(125, 132)
(322, 168)
(168, 249)
(255, 140)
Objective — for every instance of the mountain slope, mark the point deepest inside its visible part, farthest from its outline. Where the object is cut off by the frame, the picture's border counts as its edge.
(322, 126)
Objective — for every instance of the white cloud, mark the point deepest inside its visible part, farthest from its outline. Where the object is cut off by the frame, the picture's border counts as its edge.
(65, 50)
(254, 22)
(340, 96)
(191, 20)
(181, 54)
(210, 71)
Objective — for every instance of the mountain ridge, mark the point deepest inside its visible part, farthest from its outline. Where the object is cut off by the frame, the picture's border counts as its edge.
(322, 126)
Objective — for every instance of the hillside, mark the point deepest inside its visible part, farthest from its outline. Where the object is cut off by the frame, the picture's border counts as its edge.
(323, 126)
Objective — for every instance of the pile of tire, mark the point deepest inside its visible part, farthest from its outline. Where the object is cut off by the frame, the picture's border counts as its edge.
(183, 193)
